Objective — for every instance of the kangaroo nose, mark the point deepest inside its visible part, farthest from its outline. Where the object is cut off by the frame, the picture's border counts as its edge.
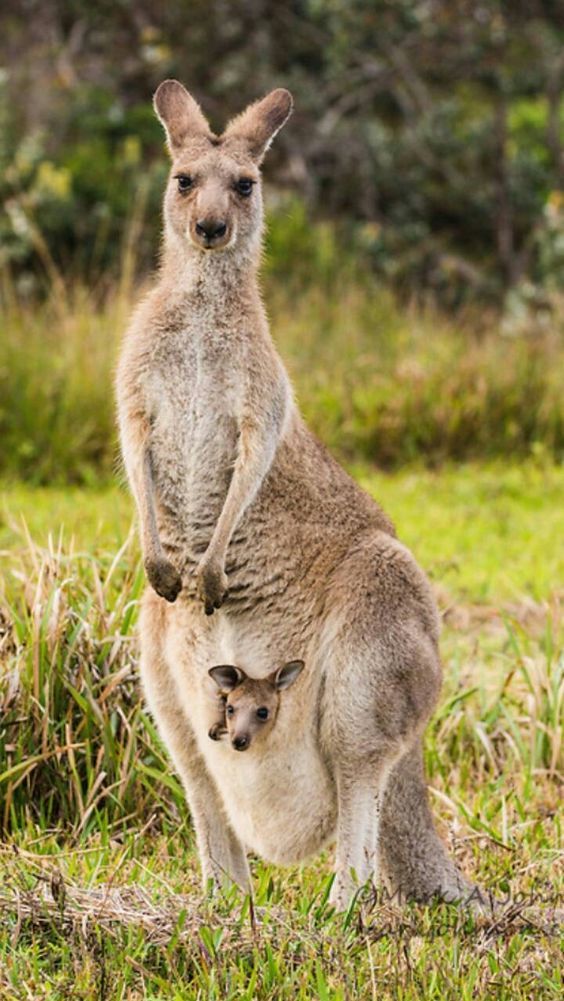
(240, 743)
(211, 228)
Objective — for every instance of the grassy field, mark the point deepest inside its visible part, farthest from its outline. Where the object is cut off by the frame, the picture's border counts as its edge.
(99, 894)
(378, 382)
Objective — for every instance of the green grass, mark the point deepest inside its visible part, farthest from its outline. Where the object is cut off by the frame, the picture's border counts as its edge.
(501, 523)
(485, 533)
(88, 801)
(379, 383)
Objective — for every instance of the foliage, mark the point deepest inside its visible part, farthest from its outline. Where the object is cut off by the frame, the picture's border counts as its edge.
(432, 131)
(68, 207)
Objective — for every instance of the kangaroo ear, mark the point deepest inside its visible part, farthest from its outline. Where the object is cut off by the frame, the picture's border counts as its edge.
(226, 677)
(260, 122)
(286, 675)
(181, 116)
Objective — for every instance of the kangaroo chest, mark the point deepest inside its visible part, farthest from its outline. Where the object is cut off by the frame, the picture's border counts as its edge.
(194, 396)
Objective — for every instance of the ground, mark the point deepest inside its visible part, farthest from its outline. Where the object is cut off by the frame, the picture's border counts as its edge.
(99, 892)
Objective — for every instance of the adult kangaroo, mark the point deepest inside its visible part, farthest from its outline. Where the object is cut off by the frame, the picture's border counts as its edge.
(261, 550)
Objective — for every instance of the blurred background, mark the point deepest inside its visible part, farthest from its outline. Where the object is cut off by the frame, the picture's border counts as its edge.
(415, 256)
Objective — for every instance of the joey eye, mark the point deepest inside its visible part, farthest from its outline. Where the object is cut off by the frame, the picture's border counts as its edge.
(184, 182)
(230, 710)
(244, 186)
(262, 713)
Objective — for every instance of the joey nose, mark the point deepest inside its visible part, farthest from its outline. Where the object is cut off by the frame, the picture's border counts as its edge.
(240, 743)
(211, 228)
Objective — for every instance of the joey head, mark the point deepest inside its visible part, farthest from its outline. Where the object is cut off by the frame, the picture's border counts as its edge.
(249, 706)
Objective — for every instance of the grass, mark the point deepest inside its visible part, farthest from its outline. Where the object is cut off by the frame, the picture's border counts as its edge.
(99, 895)
(379, 383)
(511, 512)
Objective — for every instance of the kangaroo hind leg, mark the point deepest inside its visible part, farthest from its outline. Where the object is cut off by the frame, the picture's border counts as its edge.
(360, 794)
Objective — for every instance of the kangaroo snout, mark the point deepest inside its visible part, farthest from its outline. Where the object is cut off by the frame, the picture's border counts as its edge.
(210, 231)
(241, 742)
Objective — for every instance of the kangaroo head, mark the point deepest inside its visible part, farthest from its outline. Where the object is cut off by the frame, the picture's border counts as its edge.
(213, 199)
(251, 705)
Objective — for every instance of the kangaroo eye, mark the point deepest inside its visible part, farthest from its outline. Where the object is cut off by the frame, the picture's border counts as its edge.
(230, 710)
(184, 182)
(262, 713)
(244, 186)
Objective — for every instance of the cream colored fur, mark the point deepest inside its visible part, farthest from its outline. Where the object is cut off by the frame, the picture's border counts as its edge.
(245, 515)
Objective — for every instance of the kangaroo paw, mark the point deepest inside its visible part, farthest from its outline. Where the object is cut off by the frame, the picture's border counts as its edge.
(212, 585)
(163, 578)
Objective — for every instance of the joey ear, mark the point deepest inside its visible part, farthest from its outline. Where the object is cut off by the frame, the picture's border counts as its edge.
(226, 676)
(260, 122)
(179, 113)
(285, 676)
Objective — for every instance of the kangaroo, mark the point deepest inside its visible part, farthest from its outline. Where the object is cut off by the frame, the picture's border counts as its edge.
(247, 707)
(257, 543)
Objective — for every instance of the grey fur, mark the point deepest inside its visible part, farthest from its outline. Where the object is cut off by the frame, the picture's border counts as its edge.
(244, 509)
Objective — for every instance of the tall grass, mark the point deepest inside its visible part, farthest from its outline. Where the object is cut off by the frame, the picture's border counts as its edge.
(78, 750)
(390, 386)
(376, 381)
(56, 409)
(76, 747)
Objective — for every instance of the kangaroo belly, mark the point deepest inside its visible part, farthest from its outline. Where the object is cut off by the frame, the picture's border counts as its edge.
(279, 795)
(282, 804)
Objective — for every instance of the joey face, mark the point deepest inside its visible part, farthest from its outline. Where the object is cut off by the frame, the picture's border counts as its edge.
(250, 712)
(251, 705)
(213, 200)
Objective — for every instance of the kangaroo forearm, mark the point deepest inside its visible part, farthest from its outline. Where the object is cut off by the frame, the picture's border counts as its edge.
(152, 548)
(238, 498)
(162, 575)
(140, 472)
(256, 451)
(250, 469)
